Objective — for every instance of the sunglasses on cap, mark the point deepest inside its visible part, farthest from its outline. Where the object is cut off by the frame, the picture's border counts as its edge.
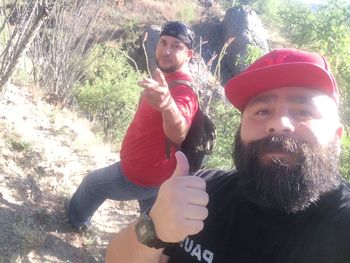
(180, 31)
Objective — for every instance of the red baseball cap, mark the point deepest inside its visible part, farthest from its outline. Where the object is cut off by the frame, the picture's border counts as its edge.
(282, 68)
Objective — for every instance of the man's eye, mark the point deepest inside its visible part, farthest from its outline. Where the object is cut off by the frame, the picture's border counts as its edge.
(261, 112)
(304, 113)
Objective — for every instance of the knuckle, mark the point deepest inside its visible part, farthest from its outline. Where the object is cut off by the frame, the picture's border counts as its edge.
(197, 228)
(205, 198)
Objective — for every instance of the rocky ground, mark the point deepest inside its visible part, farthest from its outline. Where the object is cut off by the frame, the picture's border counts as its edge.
(44, 154)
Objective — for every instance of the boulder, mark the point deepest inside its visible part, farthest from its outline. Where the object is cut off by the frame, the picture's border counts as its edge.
(243, 25)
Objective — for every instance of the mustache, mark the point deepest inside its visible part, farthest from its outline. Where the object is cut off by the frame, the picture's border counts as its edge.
(281, 143)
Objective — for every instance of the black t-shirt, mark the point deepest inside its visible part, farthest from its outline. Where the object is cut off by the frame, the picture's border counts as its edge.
(238, 231)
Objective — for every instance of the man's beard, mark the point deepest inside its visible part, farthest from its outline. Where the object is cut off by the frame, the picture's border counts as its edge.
(277, 185)
(170, 69)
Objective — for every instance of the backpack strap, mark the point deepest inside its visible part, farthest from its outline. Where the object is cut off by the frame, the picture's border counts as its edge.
(180, 82)
(170, 85)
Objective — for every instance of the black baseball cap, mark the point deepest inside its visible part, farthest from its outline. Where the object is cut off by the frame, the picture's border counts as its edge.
(180, 31)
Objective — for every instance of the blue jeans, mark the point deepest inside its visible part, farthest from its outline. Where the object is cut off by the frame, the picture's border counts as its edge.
(102, 184)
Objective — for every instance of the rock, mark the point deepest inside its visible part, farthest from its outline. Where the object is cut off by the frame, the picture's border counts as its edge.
(242, 24)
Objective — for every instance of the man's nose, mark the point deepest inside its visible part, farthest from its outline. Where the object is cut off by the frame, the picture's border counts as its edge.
(280, 125)
(168, 51)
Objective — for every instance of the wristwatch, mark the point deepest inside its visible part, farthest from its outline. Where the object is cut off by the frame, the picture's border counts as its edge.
(146, 232)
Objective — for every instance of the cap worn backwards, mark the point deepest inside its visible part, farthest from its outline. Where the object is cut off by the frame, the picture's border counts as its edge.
(179, 30)
(282, 68)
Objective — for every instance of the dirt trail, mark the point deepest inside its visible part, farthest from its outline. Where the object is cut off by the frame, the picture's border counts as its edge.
(44, 154)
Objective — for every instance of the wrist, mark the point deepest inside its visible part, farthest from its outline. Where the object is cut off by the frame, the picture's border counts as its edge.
(167, 106)
(146, 233)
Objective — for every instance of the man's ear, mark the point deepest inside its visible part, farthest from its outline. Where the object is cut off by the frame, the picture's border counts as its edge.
(339, 134)
(339, 131)
(190, 53)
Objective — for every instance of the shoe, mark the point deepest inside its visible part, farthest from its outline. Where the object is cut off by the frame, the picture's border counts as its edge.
(84, 227)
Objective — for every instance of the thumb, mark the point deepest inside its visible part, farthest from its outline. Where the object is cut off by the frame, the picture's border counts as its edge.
(159, 77)
(182, 167)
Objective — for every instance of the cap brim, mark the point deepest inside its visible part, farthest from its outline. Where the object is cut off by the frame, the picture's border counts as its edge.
(240, 89)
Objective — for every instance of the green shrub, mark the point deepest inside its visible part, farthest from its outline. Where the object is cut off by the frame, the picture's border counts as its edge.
(130, 37)
(185, 12)
(252, 54)
(226, 119)
(345, 157)
(109, 92)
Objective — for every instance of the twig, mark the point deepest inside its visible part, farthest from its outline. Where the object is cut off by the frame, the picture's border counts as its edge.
(221, 55)
(145, 51)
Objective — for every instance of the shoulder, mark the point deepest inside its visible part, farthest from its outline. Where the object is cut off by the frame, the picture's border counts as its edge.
(217, 179)
(337, 204)
(215, 174)
(179, 80)
(342, 195)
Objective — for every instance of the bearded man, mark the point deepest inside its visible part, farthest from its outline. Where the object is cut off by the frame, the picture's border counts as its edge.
(285, 201)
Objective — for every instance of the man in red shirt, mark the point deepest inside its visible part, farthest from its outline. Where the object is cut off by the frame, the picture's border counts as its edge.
(163, 114)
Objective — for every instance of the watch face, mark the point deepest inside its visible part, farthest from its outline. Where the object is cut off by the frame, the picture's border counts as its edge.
(144, 230)
(145, 233)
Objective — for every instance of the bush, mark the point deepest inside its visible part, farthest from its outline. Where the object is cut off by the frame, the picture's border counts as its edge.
(185, 12)
(252, 54)
(60, 50)
(345, 157)
(226, 119)
(109, 93)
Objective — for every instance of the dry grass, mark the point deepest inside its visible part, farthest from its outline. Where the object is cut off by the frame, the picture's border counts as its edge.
(45, 153)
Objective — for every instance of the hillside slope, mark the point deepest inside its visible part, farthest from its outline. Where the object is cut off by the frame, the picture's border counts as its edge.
(45, 153)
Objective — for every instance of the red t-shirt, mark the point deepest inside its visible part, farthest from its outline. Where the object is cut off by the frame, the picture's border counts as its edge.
(143, 154)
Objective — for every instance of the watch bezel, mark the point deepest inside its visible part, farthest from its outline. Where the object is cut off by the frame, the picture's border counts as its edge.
(146, 233)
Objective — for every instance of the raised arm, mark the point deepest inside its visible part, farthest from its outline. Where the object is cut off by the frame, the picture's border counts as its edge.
(158, 95)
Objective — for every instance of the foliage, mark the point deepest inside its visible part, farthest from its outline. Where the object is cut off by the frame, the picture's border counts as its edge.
(185, 11)
(226, 4)
(345, 157)
(226, 119)
(252, 54)
(109, 92)
(60, 52)
(19, 25)
(268, 11)
(131, 34)
(31, 235)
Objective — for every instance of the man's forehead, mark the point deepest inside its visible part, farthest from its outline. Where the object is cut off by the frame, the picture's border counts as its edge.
(171, 39)
(293, 94)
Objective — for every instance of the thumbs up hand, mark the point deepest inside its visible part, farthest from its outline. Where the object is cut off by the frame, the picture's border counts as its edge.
(180, 207)
(156, 91)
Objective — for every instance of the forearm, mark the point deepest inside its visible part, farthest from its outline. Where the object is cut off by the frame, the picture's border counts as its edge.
(174, 123)
(125, 247)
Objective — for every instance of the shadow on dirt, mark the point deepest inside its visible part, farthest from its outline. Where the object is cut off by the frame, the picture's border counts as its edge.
(25, 229)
